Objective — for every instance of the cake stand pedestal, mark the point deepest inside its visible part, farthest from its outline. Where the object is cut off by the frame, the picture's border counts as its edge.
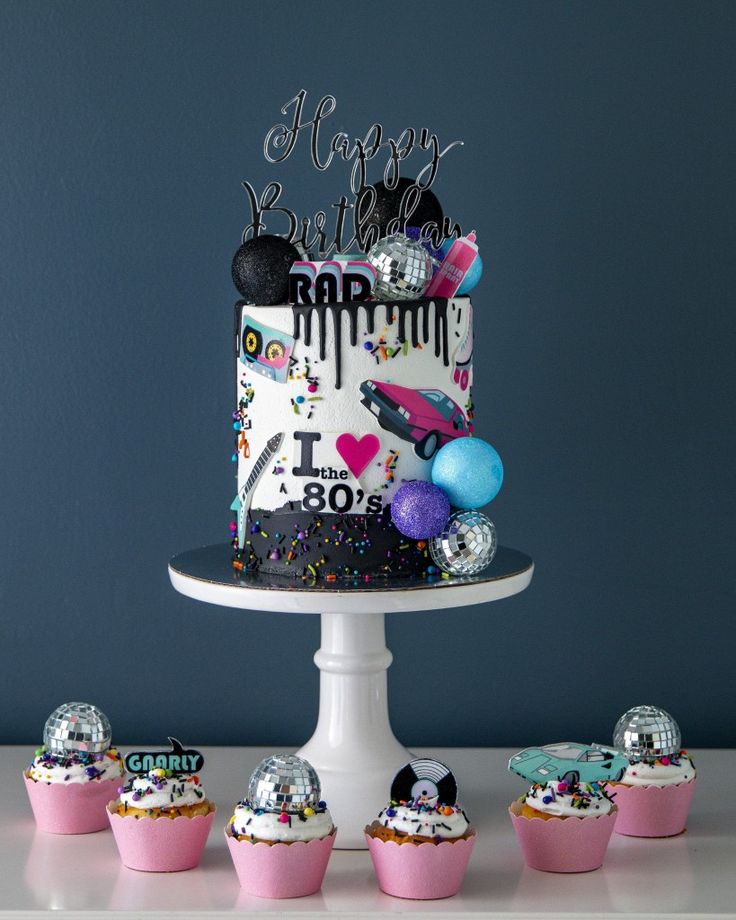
(353, 747)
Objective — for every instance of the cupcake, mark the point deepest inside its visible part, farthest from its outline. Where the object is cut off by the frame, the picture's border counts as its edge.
(75, 773)
(565, 821)
(162, 816)
(655, 792)
(280, 837)
(421, 842)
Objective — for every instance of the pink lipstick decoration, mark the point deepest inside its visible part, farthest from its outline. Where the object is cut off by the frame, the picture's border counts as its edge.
(454, 267)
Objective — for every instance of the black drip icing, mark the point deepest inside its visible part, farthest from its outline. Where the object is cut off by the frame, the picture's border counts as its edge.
(404, 308)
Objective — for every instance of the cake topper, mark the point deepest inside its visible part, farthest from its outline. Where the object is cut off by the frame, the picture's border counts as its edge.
(389, 206)
(425, 779)
(330, 282)
(260, 269)
(284, 781)
(403, 267)
(568, 761)
(646, 733)
(178, 760)
(77, 727)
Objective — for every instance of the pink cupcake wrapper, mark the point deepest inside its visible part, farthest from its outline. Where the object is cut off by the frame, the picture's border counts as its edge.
(71, 808)
(653, 811)
(420, 872)
(160, 844)
(281, 870)
(563, 844)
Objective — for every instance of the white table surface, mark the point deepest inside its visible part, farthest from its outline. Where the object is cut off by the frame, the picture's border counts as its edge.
(693, 875)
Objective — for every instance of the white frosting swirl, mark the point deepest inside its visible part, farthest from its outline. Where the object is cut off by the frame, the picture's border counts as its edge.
(50, 768)
(267, 825)
(663, 772)
(425, 819)
(153, 791)
(570, 801)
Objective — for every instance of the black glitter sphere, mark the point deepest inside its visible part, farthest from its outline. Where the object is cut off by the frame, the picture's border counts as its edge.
(388, 205)
(261, 269)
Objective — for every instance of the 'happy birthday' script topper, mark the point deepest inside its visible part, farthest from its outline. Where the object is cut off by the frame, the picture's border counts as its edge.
(312, 234)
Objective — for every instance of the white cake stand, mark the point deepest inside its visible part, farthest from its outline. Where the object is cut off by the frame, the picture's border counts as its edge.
(353, 747)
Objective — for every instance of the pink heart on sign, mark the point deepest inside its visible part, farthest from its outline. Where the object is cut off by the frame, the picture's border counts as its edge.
(357, 454)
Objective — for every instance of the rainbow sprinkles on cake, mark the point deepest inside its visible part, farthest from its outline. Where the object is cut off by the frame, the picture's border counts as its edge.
(354, 424)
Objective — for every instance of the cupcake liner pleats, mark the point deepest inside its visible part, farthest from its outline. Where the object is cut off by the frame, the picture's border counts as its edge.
(71, 808)
(281, 870)
(160, 844)
(653, 811)
(563, 844)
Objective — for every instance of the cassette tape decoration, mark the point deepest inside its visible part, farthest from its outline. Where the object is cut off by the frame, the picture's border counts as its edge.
(265, 350)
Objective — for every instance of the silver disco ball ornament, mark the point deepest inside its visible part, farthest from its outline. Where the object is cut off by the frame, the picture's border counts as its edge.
(467, 544)
(284, 780)
(403, 268)
(77, 727)
(646, 733)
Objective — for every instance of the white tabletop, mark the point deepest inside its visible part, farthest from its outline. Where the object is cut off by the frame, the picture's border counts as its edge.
(690, 875)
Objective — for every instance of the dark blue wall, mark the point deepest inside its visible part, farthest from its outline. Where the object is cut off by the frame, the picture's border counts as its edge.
(598, 172)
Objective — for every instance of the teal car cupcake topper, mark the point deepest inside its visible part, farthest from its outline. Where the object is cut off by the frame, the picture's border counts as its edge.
(570, 762)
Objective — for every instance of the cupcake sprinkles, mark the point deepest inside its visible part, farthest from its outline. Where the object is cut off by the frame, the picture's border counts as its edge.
(74, 766)
(564, 798)
(160, 791)
(259, 824)
(422, 817)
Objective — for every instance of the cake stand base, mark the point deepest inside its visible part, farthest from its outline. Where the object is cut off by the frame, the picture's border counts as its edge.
(353, 747)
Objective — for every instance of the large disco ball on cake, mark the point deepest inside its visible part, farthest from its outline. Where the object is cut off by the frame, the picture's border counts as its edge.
(77, 727)
(646, 733)
(467, 544)
(284, 780)
(403, 268)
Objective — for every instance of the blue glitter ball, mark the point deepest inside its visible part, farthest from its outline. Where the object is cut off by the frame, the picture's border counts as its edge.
(470, 472)
(420, 510)
(472, 275)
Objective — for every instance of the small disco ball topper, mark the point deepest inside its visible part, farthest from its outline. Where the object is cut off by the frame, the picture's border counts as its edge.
(466, 546)
(77, 727)
(403, 268)
(646, 733)
(425, 779)
(284, 781)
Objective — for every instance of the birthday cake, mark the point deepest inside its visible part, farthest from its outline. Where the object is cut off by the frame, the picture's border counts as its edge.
(353, 376)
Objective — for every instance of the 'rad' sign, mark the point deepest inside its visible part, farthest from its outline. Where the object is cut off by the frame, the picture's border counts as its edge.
(330, 282)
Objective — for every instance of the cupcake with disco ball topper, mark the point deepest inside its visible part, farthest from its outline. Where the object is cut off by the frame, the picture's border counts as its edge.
(421, 842)
(75, 772)
(281, 835)
(162, 817)
(655, 792)
(565, 820)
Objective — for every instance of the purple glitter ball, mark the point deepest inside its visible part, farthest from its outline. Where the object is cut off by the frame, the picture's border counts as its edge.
(420, 510)
(437, 255)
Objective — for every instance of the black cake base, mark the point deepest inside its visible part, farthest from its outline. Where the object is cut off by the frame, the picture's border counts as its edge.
(330, 546)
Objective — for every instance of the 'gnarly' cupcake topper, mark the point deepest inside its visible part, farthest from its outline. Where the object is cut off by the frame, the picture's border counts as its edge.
(177, 760)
